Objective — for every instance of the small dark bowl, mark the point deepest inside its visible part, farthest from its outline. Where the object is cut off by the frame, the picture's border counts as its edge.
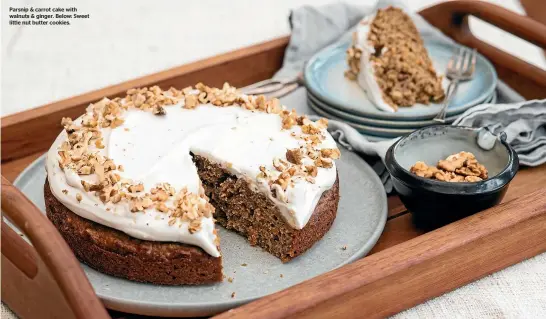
(435, 203)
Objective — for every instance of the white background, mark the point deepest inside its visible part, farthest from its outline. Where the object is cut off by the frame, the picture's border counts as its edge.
(123, 40)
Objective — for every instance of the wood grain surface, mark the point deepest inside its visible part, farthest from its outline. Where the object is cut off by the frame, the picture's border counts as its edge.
(406, 264)
(57, 261)
(451, 18)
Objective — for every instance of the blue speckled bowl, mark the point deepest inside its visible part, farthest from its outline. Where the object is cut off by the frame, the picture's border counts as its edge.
(435, 203)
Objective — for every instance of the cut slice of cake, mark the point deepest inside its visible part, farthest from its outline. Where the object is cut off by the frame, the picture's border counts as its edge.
(390, 62)
(136, 184)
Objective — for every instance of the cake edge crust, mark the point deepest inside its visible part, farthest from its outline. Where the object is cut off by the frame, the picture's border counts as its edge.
(115, 253)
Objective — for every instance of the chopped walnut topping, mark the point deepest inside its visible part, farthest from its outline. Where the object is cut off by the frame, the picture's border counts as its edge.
(162, 207)
(263, 172)
(136, 188)
(283, 180)
(159, 195)
(98, 143)
(324, 162)
(332, 153)
(294, 156)
(288, 118)
(460, 167)
(311, 170)
(80, 153)
(140, 203)
(190, 102)
(195, 226)
(85, 170)
(322, 123)
(191, 207)
(79, 197)
(310, 129)
(279, 164)
(159, 110)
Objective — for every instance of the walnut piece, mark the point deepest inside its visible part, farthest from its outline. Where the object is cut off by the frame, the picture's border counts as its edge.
(294, 156)
(423, 170)
(460, 167)
(455, 161)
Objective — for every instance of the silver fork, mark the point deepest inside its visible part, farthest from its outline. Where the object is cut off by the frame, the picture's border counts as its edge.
(274, 88)
(460, 68)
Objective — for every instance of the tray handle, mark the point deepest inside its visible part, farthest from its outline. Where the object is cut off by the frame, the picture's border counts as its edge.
(451, 18)
(50, 254)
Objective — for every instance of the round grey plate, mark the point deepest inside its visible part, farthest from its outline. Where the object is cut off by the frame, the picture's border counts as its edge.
(382, 123)
(369, 130)
(373, 130)
(360, 220)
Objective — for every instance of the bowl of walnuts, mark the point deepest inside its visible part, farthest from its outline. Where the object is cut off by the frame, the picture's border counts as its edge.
(444, 173)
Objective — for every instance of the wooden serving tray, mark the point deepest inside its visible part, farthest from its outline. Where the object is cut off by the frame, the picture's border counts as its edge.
(405, 268)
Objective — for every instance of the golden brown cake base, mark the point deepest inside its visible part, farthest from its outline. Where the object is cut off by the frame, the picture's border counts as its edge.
(114, 253)
(237, 207)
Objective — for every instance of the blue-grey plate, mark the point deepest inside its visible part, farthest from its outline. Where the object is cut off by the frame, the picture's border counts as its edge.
(384, 123)
(384, 132)
(362, 214)
(324, 78)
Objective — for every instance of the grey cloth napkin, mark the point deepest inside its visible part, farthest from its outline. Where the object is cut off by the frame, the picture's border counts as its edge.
(524, 124)
(314, 28)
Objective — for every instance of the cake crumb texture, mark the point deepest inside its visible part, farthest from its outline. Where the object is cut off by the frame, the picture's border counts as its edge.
(402, 68)
(255, 217)
(401, 63)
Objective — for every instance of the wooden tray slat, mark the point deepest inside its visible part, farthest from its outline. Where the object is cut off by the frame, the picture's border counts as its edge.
(451, 17)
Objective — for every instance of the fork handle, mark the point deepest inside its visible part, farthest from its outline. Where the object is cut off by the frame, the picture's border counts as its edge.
(451, 91)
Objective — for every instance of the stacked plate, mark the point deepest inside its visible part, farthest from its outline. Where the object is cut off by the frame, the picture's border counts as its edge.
(333, 96)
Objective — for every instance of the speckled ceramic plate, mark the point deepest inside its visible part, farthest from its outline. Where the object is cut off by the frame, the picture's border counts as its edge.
(349, 117)
(382, 123)
(361, 217)
(324, 78)
(385, 132)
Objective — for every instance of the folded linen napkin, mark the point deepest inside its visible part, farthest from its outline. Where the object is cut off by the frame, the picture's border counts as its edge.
(524, 124)
(316, 28)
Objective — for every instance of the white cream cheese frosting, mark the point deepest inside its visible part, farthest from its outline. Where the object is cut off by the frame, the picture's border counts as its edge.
(366, 77)
(156, 149)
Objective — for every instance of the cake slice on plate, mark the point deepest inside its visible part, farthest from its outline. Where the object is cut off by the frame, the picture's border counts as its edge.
(390, 62)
